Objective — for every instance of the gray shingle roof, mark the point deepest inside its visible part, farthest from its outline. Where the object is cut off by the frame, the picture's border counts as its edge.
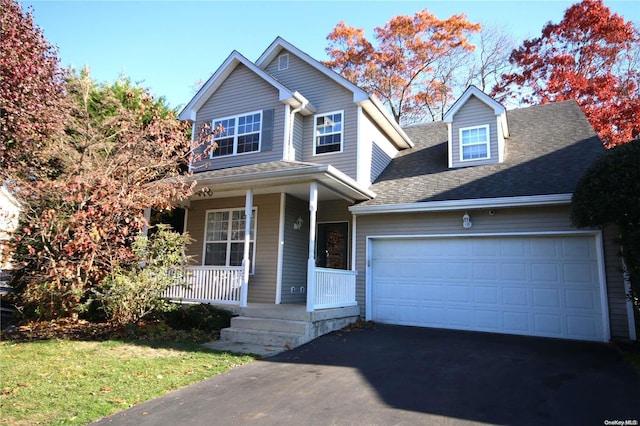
(549, 149)
(243, 171)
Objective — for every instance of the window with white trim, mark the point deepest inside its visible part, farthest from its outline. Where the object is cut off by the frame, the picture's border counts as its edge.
(474, 143)
(328, 132)
(224, 237)
(240, 134)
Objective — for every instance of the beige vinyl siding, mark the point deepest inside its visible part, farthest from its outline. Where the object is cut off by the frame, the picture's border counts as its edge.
(514, 220)
(242, 92)
(376, 151)
(615, 284)
(298, 137)
(326, 96)
(474, 113)
(262, 284)
(296, 251)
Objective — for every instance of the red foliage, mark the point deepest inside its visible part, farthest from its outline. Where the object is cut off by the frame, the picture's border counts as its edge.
(409, 67)
(30, 90)
(591, 56)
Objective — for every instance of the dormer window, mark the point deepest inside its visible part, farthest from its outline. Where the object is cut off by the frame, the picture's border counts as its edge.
(474, 143)
(328, 133)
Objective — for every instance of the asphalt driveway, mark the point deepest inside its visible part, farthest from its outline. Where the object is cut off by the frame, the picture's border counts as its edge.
(391, 375)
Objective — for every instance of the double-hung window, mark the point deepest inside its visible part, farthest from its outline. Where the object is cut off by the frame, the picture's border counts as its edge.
(474, 143)
(328, 132)
(240, 134)
(224, 237)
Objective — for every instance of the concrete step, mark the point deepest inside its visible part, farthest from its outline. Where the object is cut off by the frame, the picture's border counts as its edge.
(269, 324)
(289, 312)
(262, 337)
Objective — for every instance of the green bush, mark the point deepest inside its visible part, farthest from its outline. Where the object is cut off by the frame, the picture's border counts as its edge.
(136, 290)
(202, 317)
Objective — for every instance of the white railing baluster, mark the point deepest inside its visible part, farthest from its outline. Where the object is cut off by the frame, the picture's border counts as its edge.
(209, 284)
(335, 288)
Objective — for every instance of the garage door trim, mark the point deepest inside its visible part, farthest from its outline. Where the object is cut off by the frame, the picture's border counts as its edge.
(595, 233)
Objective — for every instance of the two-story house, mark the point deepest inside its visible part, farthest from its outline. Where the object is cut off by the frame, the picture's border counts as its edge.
(315, 200)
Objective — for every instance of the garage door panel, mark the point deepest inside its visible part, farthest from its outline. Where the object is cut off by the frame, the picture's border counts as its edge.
(543, 248)
(545, 272)
(516, 322)
(488, 320)
(485, 271)
(577, 249)
(486, 295)
(546, 298)
(579, 272)
(584, 326)
(514, 296)
(547, 324)
(580, 299)
(514, 271)
(514, 285)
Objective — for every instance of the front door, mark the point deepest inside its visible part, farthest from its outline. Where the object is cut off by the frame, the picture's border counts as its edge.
(332, 245)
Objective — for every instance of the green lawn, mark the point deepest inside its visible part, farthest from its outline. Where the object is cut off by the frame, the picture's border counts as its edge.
(76, 382)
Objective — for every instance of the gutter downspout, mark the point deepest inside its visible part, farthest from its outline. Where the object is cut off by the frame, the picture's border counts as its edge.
(627, 289)
(292, 116)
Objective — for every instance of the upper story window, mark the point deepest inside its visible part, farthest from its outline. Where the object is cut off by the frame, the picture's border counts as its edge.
(240, 134)
(328, 132)
(474, 143)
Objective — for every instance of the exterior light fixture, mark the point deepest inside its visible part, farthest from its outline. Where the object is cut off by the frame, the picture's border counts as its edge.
(297, 225)
(466, 221)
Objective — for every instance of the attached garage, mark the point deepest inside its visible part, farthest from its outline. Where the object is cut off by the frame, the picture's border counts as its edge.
(538, 285)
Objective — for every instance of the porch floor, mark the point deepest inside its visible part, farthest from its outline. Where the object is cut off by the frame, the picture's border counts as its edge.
(267, 329)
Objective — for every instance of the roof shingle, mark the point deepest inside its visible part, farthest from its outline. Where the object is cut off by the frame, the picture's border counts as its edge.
(549, 149)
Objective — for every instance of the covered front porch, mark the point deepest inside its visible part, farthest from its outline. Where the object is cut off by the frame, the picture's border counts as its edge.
(277, 233)
(222, 285)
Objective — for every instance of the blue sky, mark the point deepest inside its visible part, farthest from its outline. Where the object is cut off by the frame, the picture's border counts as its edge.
(170, 45)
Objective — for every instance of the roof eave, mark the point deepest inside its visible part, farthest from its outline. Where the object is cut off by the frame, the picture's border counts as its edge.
(327, 174)
(382, 117)
(454, 205)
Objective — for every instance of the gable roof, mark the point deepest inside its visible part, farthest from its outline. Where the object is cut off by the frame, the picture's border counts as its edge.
(550, 148)
(370, 103)
(361, 98)
(285, 94)
(498, 109)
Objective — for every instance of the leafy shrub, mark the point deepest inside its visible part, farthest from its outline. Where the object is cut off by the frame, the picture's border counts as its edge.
(137, 289)
(200, 317)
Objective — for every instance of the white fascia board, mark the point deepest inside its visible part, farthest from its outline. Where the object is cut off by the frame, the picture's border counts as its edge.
(321, 173)
(387, 123)
(190, 110)
(279, 43)
(452, 205)
(473, 91)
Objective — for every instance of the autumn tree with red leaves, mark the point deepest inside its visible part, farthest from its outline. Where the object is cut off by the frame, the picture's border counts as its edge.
(591, 56)
(84, 160)
(31, 92)
(411, 64)
(120, 149)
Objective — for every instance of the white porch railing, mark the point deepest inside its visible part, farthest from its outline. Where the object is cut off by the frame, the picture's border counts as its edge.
(335, 288)
(209, 284)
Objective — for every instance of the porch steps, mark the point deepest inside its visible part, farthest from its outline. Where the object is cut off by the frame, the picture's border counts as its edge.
(269, 329)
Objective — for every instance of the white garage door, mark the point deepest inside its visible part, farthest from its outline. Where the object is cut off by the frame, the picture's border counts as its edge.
(539, 286)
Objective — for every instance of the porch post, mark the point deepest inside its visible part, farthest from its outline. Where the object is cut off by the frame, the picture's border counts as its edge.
(311, 264)
(248, 211)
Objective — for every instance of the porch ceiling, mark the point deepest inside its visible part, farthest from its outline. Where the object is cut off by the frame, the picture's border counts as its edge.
(278, 177)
